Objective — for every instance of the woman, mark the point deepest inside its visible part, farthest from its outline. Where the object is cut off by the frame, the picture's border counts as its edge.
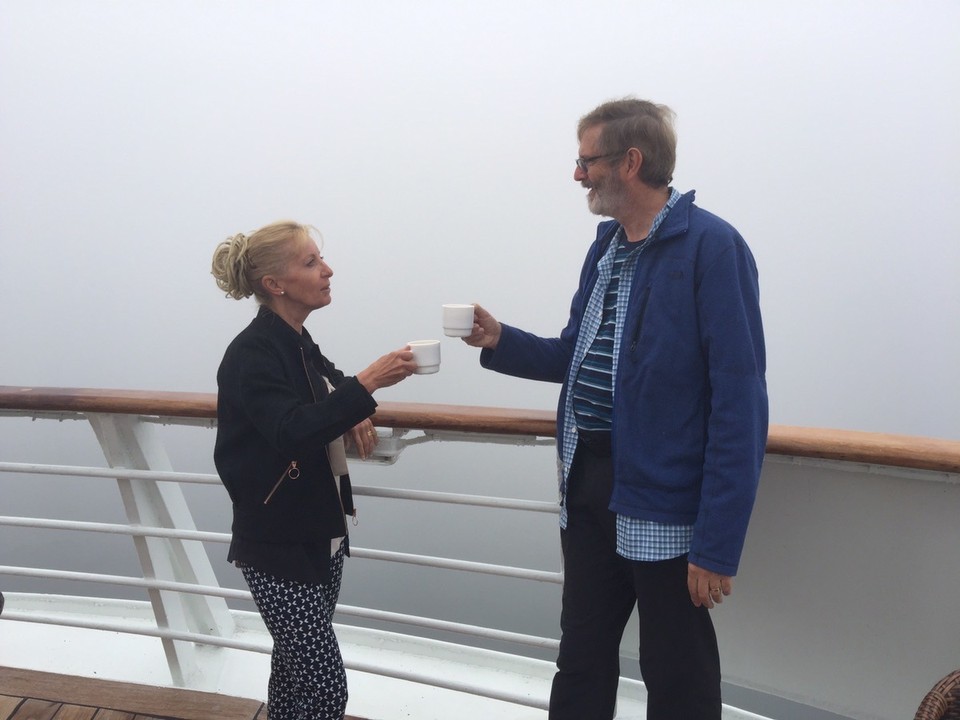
(283, 413)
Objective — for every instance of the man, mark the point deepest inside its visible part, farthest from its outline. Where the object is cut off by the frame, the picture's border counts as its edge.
(661, 427)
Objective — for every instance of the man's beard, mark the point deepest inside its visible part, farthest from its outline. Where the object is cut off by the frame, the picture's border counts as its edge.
(606, 197)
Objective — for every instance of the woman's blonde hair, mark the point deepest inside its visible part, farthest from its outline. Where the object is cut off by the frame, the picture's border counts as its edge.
(241, 262)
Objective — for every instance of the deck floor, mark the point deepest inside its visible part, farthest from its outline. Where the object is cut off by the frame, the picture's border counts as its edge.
(31, 695)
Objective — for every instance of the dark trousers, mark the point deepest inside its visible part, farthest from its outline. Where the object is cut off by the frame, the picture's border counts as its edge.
(679, 660)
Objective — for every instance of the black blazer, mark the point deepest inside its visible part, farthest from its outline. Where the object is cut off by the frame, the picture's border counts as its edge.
(274, 411)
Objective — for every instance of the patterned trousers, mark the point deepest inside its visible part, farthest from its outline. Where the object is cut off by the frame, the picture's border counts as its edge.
(307, 677)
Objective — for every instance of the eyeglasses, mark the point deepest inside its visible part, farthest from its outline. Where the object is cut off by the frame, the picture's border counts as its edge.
(584, 162)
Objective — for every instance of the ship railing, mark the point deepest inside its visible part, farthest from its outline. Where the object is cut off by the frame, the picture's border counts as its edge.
(189, 606)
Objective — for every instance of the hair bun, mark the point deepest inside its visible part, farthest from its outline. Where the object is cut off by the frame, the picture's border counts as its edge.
(229, 266)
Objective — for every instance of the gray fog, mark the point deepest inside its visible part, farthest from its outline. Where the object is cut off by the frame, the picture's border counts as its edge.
(432, 143)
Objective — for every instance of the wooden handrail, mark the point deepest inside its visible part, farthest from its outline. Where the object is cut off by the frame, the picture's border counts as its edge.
(417, 416)
(844, 445)
(907, 451)
(102, 400)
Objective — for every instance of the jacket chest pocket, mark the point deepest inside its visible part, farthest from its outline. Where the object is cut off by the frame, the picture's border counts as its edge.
(666, 308)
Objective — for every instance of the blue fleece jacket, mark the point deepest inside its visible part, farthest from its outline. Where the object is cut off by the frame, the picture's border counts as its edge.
(690, 401)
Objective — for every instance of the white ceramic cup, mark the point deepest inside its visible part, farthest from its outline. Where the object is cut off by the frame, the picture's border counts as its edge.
(427, 355)
(457, 320)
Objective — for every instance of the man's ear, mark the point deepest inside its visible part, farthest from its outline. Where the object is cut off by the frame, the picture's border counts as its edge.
(634, 161)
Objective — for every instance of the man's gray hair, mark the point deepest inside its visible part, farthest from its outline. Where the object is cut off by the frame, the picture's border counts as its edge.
(632, 123)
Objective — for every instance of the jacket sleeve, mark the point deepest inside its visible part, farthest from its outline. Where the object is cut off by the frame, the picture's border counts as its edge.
(732, 344)
(526, 355)
(270, 400)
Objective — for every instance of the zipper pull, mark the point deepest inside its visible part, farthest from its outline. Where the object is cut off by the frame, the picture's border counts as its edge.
(355, 520)
(292, 470)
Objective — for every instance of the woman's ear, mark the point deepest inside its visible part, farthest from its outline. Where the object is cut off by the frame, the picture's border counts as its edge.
(270, 285)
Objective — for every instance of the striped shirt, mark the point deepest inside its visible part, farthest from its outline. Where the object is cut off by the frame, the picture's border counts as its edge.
(589, 403)
(593, 390)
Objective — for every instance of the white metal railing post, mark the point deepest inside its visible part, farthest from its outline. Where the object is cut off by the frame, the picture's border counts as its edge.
(129, 443)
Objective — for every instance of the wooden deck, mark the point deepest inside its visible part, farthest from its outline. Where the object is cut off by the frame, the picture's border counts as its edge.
(30, 695)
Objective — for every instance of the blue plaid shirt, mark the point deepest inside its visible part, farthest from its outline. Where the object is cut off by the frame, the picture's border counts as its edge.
(637, 539)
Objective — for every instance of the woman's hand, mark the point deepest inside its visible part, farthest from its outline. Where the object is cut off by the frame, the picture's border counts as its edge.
(388, 370)
(486, 330)
(363, 437)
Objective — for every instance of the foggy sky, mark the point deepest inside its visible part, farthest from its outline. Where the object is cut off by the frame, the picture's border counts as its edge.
(433, 142)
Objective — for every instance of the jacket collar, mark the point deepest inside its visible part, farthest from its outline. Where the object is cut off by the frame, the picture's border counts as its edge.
(272, 323)
(676, 223)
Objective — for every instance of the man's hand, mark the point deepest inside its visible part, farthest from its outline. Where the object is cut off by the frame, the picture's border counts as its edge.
(707, 588)
(486, 330)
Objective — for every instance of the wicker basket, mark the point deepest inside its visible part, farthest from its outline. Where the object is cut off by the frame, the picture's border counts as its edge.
(943, 700)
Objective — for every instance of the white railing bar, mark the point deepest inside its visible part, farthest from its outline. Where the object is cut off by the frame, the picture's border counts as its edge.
(456, 498)
(59, 415)
(465, 687)
(133, 629)
(212, 479)
(112, 473)
(465, 565)
(127, 581)
(231, 594)
(345, 610)
(114, 528)
(358, 552)
(478, 437)
(384, 555)
(458, 686)
(207, 423)
(462, 628)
